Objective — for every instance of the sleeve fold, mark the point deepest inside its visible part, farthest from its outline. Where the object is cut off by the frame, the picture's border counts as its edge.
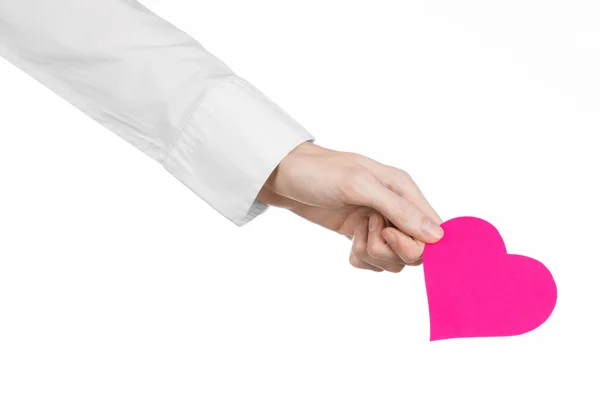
(158, 89)
(234, 140)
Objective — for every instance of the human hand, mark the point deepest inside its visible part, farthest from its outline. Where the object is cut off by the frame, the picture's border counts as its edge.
(378, 207)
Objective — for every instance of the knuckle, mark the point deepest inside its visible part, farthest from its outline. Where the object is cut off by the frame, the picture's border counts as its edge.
(353, 182)
(393, 267)
(354, 157)
(402, 206)
(403, 174)
(358, 250)
(399, 173)
(375, 250)
(353, 260)
(396, 268)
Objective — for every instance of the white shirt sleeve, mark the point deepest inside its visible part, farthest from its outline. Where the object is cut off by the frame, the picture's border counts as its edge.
(158, 89)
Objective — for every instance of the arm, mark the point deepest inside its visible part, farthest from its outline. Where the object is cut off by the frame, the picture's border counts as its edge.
(161, 91)
(158, 89)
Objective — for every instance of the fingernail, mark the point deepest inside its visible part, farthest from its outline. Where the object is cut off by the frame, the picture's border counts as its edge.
(372, 223)
(433, 230)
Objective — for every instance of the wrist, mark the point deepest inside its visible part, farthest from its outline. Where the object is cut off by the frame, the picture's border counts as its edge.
(281, 175)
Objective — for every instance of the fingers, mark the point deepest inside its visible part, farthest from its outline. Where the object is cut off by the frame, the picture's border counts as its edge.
(377, 246)
(401, 212)
(408, 249)
(360, 251)
(357, 263)
(399, 182)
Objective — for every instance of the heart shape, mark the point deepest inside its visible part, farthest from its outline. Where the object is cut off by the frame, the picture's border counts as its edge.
(476, 289)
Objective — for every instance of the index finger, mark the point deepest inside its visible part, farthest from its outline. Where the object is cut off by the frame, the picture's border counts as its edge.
(401, 183)
(401, 212)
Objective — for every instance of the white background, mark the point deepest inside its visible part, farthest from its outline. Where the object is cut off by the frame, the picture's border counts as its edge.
(115, 280)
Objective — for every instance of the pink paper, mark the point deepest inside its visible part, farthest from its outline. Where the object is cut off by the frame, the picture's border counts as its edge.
(476, 289)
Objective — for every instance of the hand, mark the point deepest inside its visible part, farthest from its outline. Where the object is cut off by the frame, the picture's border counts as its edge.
(378, 207)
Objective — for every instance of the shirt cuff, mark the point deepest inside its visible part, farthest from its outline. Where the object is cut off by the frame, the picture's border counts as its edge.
(231, 144)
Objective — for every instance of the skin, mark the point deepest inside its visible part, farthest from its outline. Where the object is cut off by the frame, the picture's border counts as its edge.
(377, 206)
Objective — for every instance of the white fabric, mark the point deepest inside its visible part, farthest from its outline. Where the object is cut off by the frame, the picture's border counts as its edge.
(158, 89)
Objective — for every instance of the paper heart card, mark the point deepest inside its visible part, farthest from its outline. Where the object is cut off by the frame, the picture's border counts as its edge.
(476, 289)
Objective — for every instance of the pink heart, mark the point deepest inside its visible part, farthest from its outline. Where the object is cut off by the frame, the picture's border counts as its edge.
(475, 288)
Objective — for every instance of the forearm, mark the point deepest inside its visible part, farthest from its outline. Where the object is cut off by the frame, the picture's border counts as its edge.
(157, 88)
